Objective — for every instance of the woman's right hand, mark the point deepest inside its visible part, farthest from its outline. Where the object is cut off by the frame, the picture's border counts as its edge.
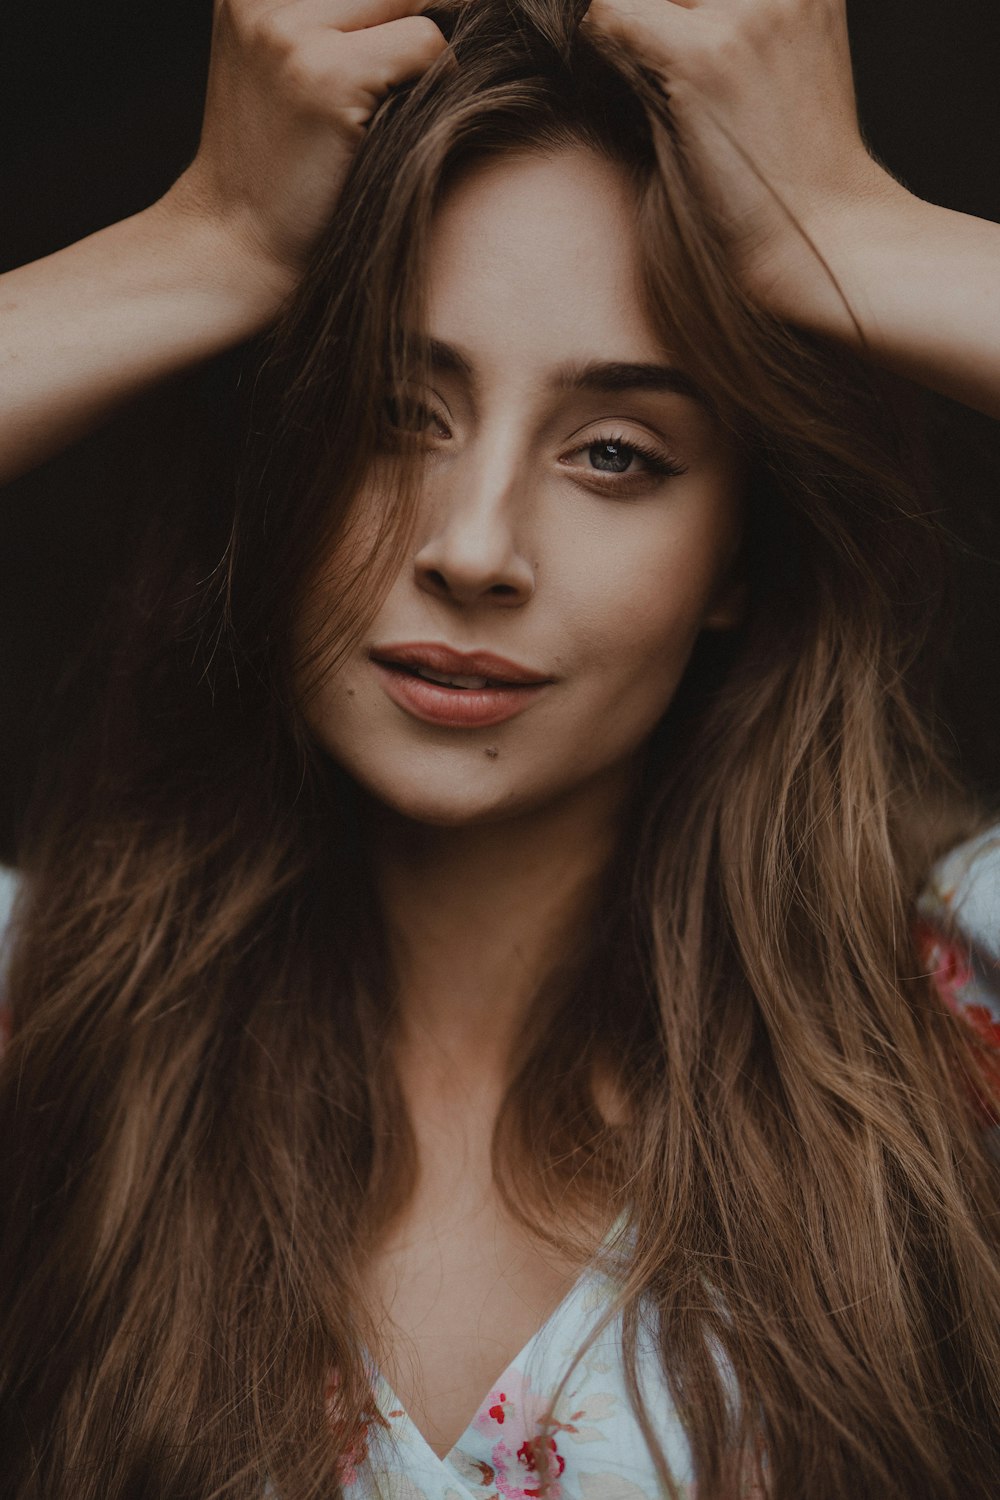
(292, 85)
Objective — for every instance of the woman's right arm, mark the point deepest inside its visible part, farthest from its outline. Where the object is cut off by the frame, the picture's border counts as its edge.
(292, 85)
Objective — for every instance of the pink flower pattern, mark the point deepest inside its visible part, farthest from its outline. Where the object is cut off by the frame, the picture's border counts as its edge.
(588, 1447)
(952, 964)
(524, 1453)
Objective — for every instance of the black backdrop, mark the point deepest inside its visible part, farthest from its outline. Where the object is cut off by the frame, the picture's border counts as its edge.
(99, 110)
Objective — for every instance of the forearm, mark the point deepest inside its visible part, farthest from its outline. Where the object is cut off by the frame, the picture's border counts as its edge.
(98, 322)
(763, 99)
(922, 283)
(290, 91)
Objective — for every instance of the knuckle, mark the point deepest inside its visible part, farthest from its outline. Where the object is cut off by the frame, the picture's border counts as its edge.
(714, 52)
(273, 32)
(354, 121)
(423, 36)
(623, 21)
(316, 78)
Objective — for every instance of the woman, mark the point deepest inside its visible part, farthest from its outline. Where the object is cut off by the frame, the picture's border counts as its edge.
(470, 945)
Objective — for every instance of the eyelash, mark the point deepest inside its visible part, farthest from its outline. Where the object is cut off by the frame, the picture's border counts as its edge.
(659, 464)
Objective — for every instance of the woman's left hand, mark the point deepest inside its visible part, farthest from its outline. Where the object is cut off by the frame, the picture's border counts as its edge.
(762, 94)
(819, 234)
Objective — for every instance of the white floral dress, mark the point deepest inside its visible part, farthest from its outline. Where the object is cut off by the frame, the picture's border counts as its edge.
(587, 1439)
(591, 1443)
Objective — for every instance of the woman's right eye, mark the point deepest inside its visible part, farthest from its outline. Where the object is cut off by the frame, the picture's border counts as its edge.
(406, 415)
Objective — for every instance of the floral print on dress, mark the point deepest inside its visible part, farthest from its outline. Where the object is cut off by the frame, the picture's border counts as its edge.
(584, 1437)
(530, 1439)
(957, 936)
(587, 1439)
(356, 1451)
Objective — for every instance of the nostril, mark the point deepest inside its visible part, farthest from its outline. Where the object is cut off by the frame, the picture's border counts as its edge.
(464, 581)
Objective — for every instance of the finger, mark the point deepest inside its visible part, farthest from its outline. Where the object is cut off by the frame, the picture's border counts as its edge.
(341, 15)
(401, 49)
(348, 70)
(649, 26)
(353, 15)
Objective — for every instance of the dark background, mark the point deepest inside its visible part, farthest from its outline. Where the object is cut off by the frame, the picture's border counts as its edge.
(99, 110)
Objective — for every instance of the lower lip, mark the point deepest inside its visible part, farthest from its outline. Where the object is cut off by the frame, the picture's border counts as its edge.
(456, 708)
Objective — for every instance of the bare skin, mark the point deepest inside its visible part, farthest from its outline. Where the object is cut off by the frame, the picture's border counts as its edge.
(488, 844)
(461, 1286)
(291, 87)
(763, 96)
(486, 863)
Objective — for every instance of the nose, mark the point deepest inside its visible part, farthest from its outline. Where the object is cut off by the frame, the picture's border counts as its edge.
(478, 507)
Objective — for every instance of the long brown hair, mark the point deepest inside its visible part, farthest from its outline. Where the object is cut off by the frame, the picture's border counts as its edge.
(200, 1127)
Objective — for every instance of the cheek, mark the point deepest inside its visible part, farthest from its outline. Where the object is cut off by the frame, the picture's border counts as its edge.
(661, 612)
(646, 650)
(649, 589)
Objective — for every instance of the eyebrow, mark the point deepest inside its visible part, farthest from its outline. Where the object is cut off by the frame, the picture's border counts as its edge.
(604, 376)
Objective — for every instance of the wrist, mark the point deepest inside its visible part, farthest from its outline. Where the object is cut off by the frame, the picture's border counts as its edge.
(833, 243)
(222, 257)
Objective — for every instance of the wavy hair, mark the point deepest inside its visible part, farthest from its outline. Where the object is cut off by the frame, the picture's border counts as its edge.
(201, 1128)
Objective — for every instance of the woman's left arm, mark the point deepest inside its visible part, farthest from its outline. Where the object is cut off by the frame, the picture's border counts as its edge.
(762, 94)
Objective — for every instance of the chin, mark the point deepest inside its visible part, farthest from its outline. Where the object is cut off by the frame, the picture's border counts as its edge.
(445, 801)
(451, 810)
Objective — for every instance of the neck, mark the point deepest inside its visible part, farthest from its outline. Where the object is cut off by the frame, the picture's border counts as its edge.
(478, 914)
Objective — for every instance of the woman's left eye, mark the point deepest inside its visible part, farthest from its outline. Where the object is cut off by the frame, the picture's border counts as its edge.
(617, 458)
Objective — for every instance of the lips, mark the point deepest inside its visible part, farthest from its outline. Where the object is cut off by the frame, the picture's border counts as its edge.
(435, 657)
(480, 690)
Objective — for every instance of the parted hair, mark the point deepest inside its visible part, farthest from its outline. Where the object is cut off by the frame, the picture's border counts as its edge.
(201, 1129)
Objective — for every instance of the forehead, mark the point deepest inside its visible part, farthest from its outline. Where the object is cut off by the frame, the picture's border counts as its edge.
(536, 259)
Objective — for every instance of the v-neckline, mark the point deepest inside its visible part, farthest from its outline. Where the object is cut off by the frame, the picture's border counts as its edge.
(391, 1406)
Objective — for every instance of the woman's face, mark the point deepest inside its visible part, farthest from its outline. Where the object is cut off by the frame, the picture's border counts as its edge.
(579, 514)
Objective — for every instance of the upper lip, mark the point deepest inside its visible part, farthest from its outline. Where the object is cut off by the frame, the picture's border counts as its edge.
(445, 659)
